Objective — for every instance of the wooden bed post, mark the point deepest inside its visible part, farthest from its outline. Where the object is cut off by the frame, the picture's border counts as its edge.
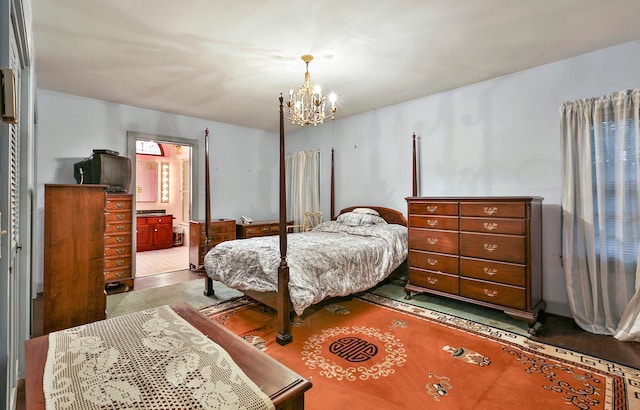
(284, 320)
(415, 170)
(208, 282)
(333, 195)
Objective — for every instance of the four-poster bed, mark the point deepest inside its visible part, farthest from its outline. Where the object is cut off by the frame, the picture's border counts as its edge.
(367, 229)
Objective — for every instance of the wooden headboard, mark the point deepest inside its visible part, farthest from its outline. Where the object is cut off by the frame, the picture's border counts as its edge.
(390, 215)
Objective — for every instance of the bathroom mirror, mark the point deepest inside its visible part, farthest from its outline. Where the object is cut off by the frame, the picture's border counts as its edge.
(146, 181)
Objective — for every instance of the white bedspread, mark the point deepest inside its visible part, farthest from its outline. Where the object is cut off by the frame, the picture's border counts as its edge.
(153, 359)
(332, 260)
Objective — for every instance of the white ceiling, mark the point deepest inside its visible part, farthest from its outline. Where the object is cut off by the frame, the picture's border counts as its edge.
(229, 60)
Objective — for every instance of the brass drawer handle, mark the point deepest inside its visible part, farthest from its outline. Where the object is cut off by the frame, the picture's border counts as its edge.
(432, 241)
(490, 293)
(265, 229)
(490, 210)
(490, 226)
(432, 261)
(432, 208)
(120, 216)
(249, 231)
(432, 222)
(120, 239)
(120, 250)
(489, 247)
(432, 281)
(119, 204)
(120, 227)
(490, 271)
(119, 274)
(119, 262)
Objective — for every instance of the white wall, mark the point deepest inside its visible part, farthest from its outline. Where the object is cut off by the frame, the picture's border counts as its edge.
(498, 137)
(243, 161)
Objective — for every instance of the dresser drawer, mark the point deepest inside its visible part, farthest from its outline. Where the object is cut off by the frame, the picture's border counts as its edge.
(115, 251)
(117, 263)
(153, 220)
(204, 248)
(433, 208)
(110, 240)
(507, 248)
(117, 274)
(258, 230)
(493, 209)
(433, 280)
(218, 227)
(121, 204)
(494, 225)
(438, 262)
(507, 273)
(122, 227)
(434, 222)
(503, 295)
(217, 238)
(433, 240)
(116, 216)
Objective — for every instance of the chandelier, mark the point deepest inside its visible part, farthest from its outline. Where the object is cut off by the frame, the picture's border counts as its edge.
(307, 105)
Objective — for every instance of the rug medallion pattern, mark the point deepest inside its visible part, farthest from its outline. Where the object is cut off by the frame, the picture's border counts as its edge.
(376, 352)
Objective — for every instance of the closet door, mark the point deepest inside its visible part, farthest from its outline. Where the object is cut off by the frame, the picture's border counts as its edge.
(15, 208)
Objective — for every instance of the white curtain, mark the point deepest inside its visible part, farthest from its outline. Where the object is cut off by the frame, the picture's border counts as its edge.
(601, 216)
(302, 171)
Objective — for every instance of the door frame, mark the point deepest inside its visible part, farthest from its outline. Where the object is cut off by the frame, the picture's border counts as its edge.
(132, 137)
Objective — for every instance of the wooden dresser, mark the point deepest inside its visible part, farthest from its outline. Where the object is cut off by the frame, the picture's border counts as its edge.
(220, 230)
(118, 240)
(483, 250)
(258, 228)
(74, 232)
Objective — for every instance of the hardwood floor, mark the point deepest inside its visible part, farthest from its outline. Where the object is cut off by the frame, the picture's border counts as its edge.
(164, 279)
(564, 332)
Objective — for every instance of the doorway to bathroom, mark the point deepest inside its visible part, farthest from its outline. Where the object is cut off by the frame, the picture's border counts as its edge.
(161, 183)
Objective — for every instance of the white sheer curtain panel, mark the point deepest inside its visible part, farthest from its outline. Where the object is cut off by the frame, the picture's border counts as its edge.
(601, 213)
(303, 184)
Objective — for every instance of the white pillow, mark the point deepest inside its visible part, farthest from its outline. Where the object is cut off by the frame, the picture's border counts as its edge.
(355, 219)
(367, 211)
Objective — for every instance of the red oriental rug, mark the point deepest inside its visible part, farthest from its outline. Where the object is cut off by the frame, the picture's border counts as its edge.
(372, 352)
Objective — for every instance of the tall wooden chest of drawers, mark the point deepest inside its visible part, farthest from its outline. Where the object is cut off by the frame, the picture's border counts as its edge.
(118, 240)
(483, 250)
(220, 230)
(74, 227)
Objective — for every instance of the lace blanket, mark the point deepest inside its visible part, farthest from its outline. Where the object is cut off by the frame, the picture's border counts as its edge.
(332, 260)
(152, 359)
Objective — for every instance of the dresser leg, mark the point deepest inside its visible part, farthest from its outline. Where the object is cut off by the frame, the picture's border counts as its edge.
(535, 329)
(411, 291)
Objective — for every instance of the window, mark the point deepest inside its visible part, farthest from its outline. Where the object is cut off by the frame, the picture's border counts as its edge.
(149, 148)
(615, 190)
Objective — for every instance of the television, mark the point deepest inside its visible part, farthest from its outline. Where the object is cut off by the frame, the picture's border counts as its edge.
(104, 167)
